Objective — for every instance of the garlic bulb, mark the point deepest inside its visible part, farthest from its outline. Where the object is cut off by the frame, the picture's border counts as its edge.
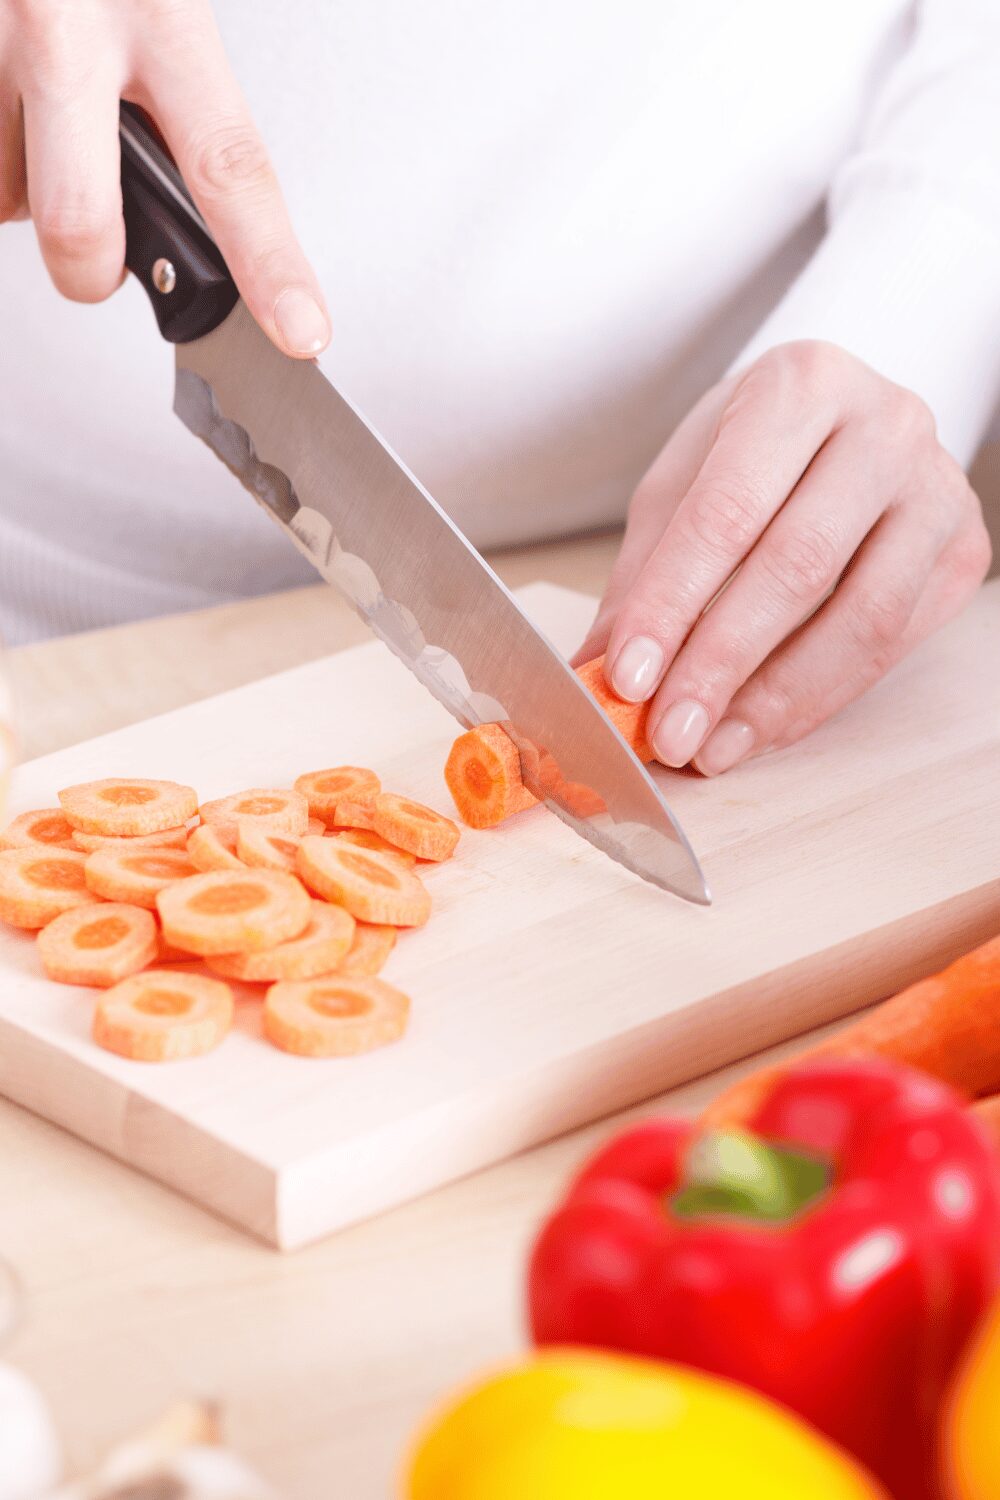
(30, 1454)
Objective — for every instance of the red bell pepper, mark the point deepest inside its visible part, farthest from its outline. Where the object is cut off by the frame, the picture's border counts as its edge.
(834, 1256)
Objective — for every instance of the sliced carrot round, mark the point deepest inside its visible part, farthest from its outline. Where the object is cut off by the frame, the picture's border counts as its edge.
(46, 828)
(230, 911)
(212, 846)
(364, 838)
(315, 825)
(334, 1017)
(320, 949)
(368, 952)
(483, 772)
(373, 887)
(164, 838)
(264, 848)
(98, 945)
(271, 807)
(350, 813)
(128, 805)
(162, 1016)
(412, 826)
(324, 789)
(37, 884)
(136, 875)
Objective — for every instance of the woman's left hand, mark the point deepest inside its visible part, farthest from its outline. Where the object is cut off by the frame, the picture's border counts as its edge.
(814, 493)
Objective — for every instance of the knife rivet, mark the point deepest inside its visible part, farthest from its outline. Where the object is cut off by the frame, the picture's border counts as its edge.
(164, 275)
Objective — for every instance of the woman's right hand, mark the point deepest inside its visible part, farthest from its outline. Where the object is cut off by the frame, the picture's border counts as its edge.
(64, 66)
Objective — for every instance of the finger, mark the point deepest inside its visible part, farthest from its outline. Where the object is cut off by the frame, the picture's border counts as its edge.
(13, 182)
(889, 602)
(776, 420)
(198, 105)
(72, 164)
(653, 504)
(789, 573)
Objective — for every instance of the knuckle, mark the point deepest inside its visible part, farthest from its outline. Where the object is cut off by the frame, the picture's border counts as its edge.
(805, 563)
(74, 233)
(909, 419)
(809, 362)
(973, 553)
(877, 617)
(727, 514)
(230, 158)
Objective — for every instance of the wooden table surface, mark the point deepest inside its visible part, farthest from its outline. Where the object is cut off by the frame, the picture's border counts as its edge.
(324, 1359)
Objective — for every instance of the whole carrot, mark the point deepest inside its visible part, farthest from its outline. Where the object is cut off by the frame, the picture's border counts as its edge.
(947, 1024)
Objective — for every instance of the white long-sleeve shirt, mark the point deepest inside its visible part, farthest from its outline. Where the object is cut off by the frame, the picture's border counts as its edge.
(543, 229)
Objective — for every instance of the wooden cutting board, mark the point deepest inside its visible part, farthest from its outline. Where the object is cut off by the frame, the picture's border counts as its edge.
(551, 986)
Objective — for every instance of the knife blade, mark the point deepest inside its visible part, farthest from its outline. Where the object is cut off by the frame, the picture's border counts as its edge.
(367, 525)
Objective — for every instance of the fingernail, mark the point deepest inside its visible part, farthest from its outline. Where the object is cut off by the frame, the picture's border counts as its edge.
(679, 733)
(301, 321)
(731, 743)
(637, 669)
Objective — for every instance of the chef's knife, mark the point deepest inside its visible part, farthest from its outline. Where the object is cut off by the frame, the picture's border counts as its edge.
(341, 495)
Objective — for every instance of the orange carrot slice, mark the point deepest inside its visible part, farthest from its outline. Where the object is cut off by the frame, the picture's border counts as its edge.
(412, 826)
(352, 813)
(373, 887)
(320, 949)
(135, 875)
(324, 789)
(127, 805)
(315, 825)
(47, 829)
(263, 849)
(164, 838)
(98, 946)
(368, 952)
(334, 1017)
(230, 911)
(212, 846)
(37, 884)
(275, 809)
(363, 838)
(483, 772)
(163, 1016)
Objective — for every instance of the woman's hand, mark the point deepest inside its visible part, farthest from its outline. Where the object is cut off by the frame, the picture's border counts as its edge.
(814, 493)
(64, 65)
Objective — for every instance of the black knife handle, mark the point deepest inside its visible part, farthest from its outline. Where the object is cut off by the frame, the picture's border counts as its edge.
(167, 243)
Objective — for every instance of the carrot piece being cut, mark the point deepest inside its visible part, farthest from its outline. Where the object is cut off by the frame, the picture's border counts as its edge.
(135, 875)
(98, 946)
(483, 772)
(47, 829)
(128, 805)
(373, 887)
(274, 809)
(414, 827)
(264, 848)
(165, 838)
(947, 1025)
(334, 1017)
(230, 911)
(212, 846)
(369, 951)
(163, 1016)
(364, 838)
(320, 949)
(37, 884)
(324, 789)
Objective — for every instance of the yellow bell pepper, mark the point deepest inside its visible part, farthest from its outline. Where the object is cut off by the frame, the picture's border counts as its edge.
(972, 1423)
(571, 1425)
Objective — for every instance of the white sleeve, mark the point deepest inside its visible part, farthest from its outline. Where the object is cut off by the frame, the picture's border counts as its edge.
(908, 274)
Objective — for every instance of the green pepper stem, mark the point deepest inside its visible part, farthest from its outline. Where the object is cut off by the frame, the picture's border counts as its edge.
(734, 1174)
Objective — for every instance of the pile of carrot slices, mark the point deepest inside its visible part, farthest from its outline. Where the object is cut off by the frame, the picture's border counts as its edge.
(138, 890)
